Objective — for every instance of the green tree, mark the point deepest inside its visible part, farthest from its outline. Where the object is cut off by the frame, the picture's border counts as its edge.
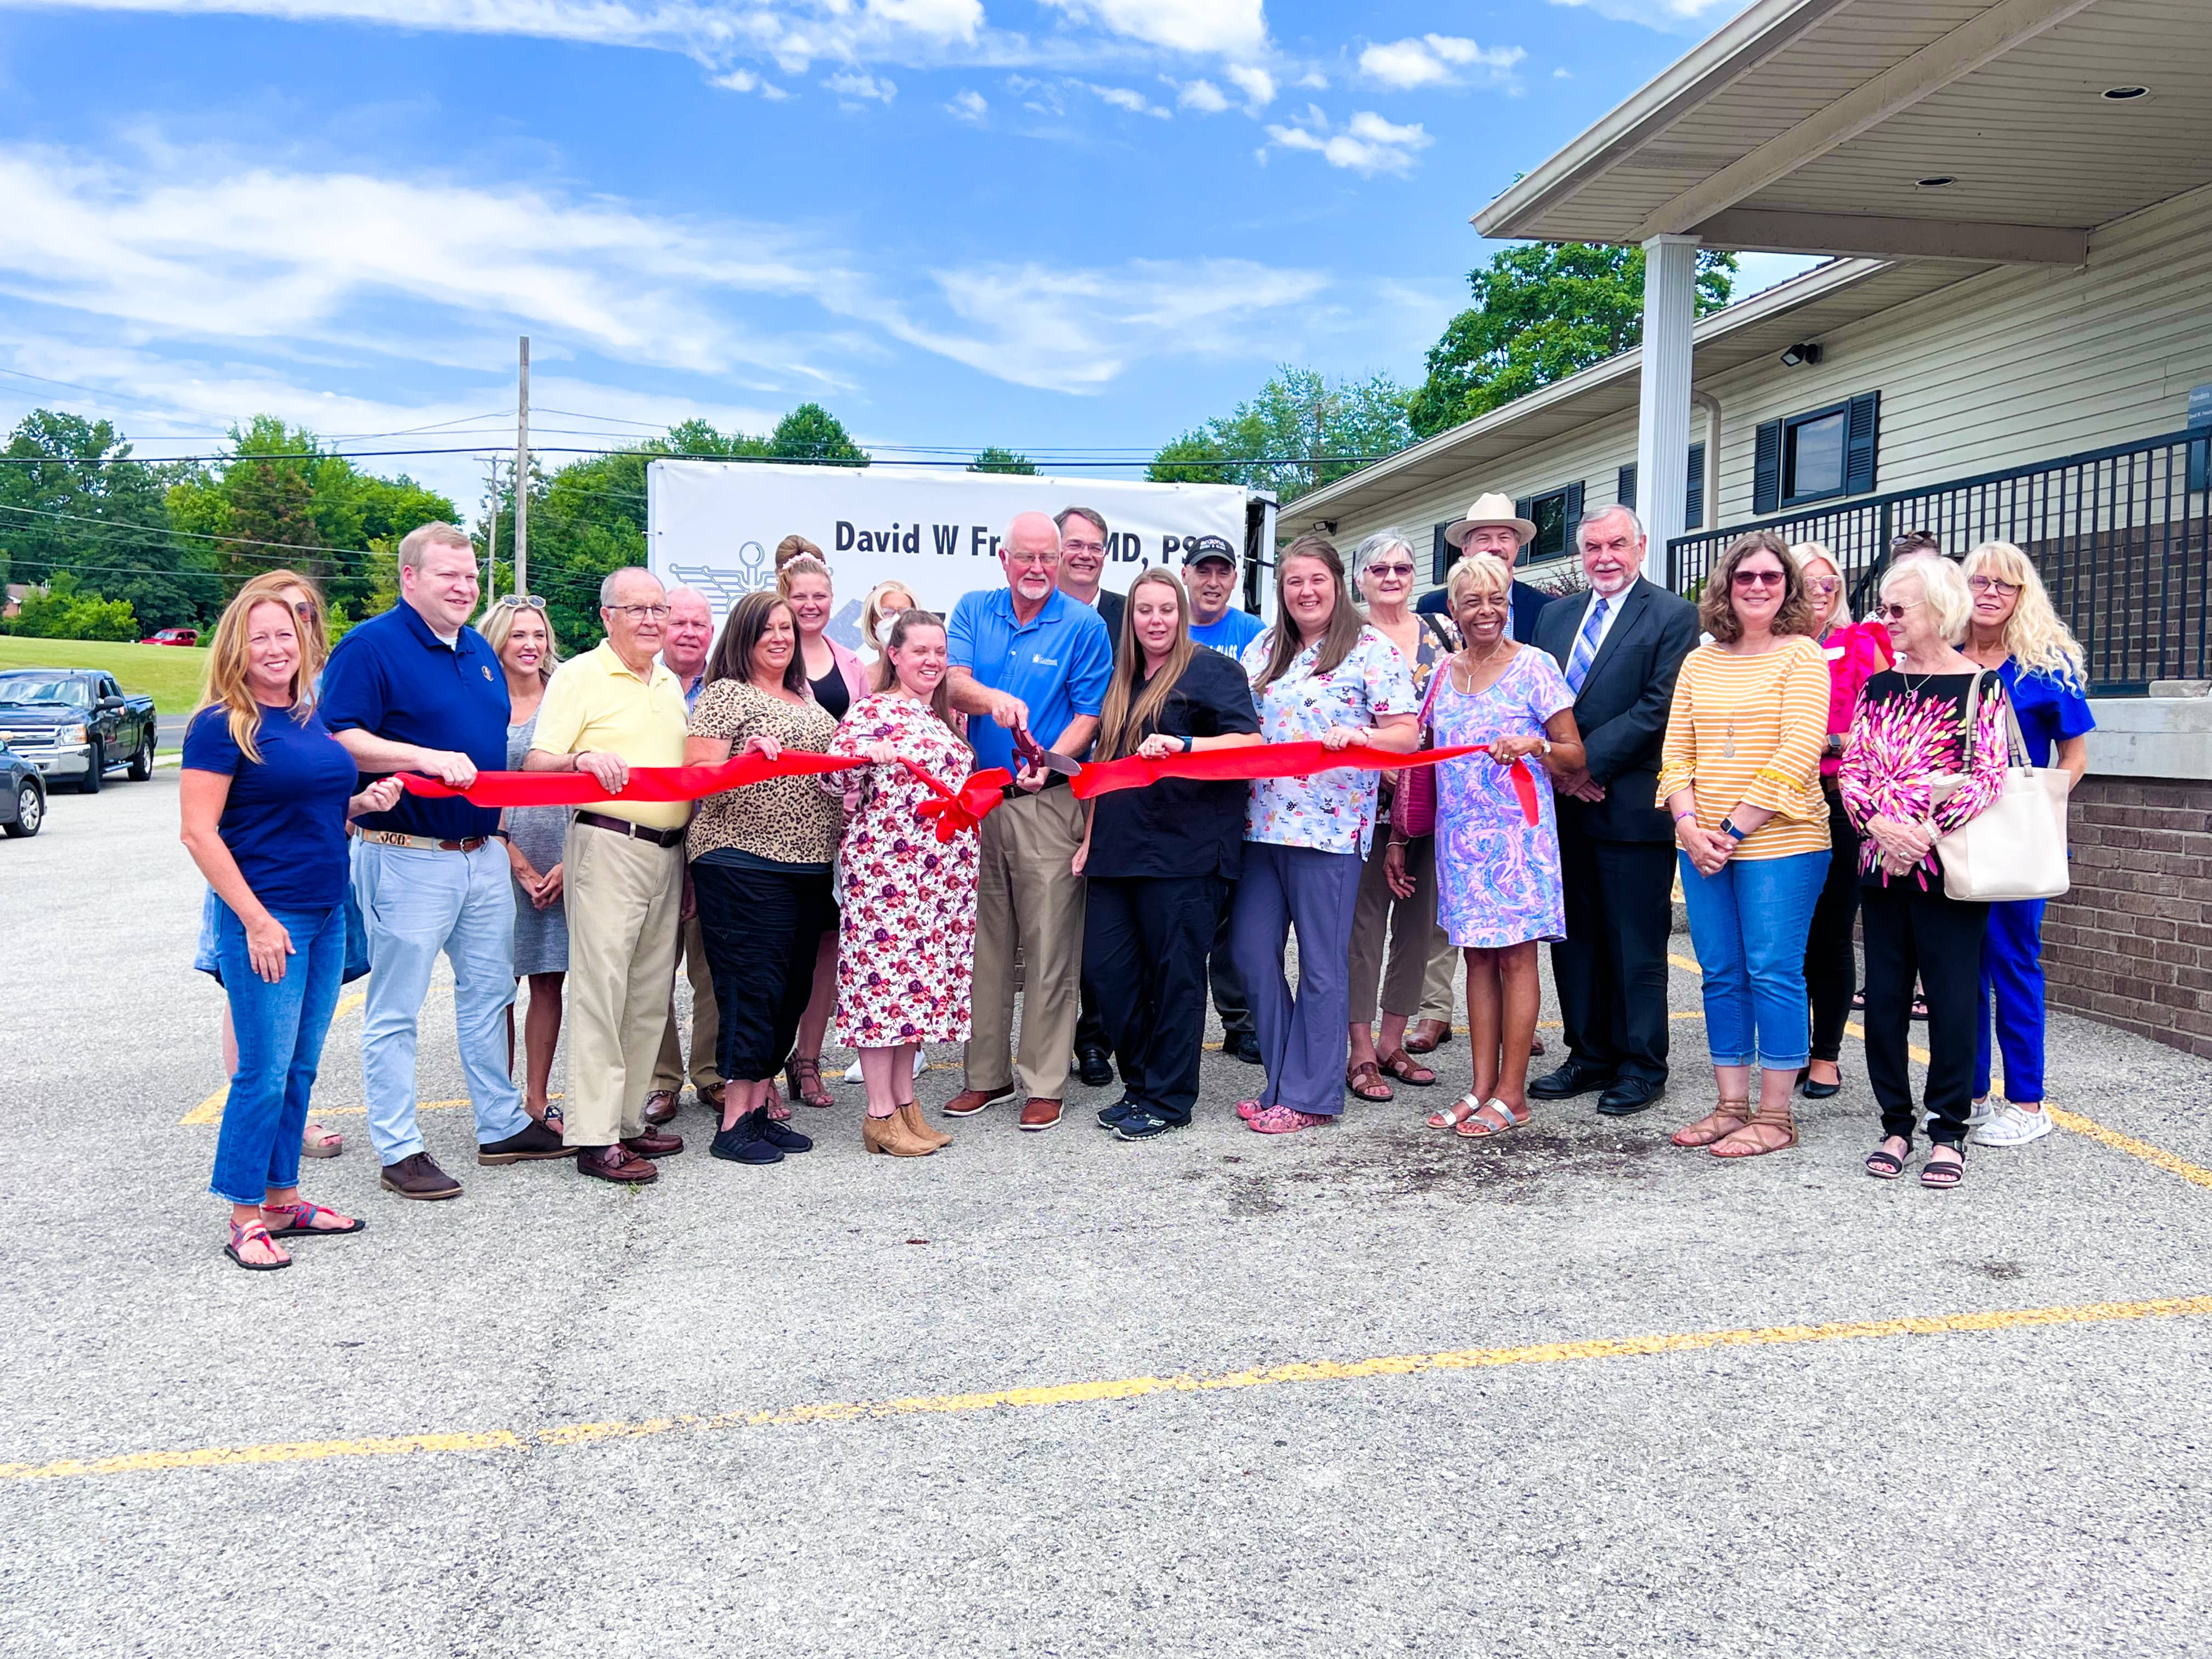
(992, 458)
(1542, 311)
(811, 433)
(66, 611)
(1302, 431)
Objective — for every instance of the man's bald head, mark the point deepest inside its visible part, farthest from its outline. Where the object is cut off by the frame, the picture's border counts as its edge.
(688, 634)
(1030, 554)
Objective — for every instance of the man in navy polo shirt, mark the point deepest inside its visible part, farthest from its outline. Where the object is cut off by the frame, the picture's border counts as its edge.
(418, 690)
(1026, 658)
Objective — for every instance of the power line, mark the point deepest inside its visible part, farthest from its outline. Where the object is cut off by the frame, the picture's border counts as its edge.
(657, 455)
(196, 535)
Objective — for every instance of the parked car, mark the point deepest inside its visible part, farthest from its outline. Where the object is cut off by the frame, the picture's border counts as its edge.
(173, 637)
(75, 726)
(22, 795)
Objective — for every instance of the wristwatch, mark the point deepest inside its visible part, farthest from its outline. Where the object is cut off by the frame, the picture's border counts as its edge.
(1187, 745)
(1728, 826)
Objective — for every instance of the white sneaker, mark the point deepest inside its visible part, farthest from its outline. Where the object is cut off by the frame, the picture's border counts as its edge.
(853, 1072)
(2012, 1126)
(1980, 1113)
(920, 1064)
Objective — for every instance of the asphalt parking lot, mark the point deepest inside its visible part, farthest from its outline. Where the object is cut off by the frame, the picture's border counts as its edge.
(1365, 1389)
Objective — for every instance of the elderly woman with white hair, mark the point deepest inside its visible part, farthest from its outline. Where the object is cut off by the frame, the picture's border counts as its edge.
(1384, 574)
(2015, 630)
(1936, 714)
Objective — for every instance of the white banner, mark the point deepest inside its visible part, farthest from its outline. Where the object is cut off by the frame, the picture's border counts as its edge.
(714, 525)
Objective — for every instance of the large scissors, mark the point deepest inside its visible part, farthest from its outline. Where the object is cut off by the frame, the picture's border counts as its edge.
(1033, 754)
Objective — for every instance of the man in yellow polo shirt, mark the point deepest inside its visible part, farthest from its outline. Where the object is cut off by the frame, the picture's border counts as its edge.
(622, 863)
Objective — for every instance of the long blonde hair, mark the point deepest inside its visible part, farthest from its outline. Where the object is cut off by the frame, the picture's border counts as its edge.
(228, 686)
(2034, 636)
(497, 626)
(1131, 705)
(1803, 554)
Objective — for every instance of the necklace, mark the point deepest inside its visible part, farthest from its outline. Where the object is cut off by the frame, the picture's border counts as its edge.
(1473, 663)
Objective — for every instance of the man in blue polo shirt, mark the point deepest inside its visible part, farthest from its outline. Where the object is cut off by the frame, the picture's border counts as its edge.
(1026, 658)
(418, 690)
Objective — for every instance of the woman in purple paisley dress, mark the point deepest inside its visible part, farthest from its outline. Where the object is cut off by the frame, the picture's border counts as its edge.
(1498, 875)
(906, 944)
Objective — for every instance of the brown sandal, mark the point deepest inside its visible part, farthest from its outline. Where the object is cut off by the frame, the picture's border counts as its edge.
(1729, 1146)
(1403, 1066)
(1707, 1130)
(804, 1078)
(1365, 1080)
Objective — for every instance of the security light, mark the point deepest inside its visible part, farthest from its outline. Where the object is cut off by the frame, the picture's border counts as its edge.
(1805, 351)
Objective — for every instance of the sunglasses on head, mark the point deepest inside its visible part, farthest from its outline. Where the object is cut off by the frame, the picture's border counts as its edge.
(520, 602)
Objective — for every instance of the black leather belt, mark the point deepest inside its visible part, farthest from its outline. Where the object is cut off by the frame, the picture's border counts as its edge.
(638, 831)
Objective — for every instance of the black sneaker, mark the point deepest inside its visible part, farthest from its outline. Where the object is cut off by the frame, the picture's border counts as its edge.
(741, 1143)
(1143, 1126)
(780, 1136)
(1245, 1045)
(531, 1142)
(1110, 1117)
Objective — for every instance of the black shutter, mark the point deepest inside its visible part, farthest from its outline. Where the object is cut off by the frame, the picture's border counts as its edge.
(1624, 491)
(1440, 557)
(1694, 499)
(1860, 430)
(1766, 469)
(1574, 515)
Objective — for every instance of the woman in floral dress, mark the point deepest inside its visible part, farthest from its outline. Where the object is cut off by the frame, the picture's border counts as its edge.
(907, 938)
(1498, 876)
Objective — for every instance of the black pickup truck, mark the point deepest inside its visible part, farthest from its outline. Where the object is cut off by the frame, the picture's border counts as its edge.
(75, 726)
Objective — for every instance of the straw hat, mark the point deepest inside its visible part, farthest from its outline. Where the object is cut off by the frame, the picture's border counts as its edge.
(1492, 509)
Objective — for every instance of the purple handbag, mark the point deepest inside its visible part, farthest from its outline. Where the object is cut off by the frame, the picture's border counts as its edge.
(1413, 806)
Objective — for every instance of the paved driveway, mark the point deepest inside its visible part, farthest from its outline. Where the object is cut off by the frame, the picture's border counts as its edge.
(1364, 1390)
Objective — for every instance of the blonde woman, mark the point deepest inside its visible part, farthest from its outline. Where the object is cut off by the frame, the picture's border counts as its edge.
(520, 634)
(1161, 862)
(264, 794)
(2015, 630)
(885, 603)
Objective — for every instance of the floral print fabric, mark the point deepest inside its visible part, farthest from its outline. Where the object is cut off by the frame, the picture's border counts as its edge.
(1498, 875)
(1331, 812)
(1910, 732)
(906, 940)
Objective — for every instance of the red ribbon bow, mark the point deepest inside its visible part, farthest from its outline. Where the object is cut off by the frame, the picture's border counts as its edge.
(952, 810)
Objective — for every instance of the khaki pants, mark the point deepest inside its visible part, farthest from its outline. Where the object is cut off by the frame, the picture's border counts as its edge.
(1027, 898)
(1438, 1001)
(1411, 923)
(622, 897)
(705, 1023)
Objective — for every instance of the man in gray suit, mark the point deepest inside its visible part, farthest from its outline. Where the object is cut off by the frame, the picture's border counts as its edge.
(1622, 648)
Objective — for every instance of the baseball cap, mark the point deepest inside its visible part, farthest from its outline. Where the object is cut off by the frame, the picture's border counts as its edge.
(1198, 548)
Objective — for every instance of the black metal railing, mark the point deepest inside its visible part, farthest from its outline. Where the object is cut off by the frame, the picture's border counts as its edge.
(2122, 537)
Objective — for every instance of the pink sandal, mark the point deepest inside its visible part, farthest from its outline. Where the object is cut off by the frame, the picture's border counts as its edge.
(304, 1220)
(1286, 1120)
(241, 1236)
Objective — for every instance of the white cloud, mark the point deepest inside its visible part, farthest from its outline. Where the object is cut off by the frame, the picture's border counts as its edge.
(970, 106)
(742, 80)
(950, 20)
(1674, 16)
(1256, 84)
(852, 83)
(1130, 99)
(1202, 96)
(1432, 60)
(1230, 26)
(1367, 144)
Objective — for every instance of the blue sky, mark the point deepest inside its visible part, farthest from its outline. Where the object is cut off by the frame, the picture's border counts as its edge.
(1073, 225)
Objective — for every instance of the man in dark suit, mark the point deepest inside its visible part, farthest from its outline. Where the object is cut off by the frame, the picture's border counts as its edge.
(1489, 526)
(1622, 648)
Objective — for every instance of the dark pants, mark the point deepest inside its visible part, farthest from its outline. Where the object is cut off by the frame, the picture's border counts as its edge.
(1221, 969)
(1924, 935)
(1611, 968)
(1305, 1039)
(1831, 972)
(1145, 942)
(762, 929)
(1090, 1031)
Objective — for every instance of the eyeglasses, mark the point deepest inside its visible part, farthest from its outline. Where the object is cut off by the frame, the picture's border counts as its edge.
(304, 610)
(1823, 584)
(1758, 579)
(641, 612)
(1082, 547)
(1895, 612)
(519, 602)
(1039, 561)
(2003, 589)
(1401, 571)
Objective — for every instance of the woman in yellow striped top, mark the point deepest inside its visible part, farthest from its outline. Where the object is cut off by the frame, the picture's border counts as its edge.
(1741, 775)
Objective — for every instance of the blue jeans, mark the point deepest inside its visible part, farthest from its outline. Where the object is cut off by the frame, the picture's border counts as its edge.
(1749, 924)
(2012, 972)
(280, 1029)
(416, 903)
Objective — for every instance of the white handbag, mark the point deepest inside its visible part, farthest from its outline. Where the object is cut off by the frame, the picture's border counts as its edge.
(2016, 847)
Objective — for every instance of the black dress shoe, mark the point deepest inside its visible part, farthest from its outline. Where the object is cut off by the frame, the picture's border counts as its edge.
(1093, 1067)
(1245, 1045)
(1571, 1079)
(1629, 1095)
(1812, 1090)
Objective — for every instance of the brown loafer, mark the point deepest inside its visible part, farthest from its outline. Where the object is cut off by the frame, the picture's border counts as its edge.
(1426, 1037)
(616, 1163)
(969, 1101)
(416, 1176)
(660, 1107)
(650, 1145)
(1040, 1113)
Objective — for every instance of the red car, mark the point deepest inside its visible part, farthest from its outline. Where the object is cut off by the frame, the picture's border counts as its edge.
(173, 637)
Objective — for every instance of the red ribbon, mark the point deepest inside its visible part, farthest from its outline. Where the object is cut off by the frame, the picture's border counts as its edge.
(1282, 760)
(965, 808)
(646, 783)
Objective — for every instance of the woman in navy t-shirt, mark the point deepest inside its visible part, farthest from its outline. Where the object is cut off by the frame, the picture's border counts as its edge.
(2015, 631)
(264, 794)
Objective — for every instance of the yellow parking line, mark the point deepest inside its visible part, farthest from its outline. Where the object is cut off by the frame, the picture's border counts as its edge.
(1127, 1387)
(2127, 1144)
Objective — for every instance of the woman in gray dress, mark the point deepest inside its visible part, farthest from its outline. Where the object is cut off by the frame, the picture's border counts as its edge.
(520, 632)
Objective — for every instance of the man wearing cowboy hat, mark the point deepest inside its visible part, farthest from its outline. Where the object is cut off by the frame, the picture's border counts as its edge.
(1491, 526)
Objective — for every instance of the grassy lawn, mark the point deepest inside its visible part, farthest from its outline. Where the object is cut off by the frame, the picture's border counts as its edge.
(169, 676)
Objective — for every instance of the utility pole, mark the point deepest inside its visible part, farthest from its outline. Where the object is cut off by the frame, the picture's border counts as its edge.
(491, 536)
(522, 475)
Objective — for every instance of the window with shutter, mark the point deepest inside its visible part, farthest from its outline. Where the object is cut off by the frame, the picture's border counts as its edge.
(1624, 490)
(1693, 499)
(1766, 468)
(1574, 515)
(1440, 556)
(1861, 427)
(1555, 513)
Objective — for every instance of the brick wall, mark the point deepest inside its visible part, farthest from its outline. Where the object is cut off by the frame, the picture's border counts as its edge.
(2131, 944)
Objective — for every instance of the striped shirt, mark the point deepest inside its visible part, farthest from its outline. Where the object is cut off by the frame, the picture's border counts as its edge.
(1750, 730)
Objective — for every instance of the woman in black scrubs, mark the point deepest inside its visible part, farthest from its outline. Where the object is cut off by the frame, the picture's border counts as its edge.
(1162, 861)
